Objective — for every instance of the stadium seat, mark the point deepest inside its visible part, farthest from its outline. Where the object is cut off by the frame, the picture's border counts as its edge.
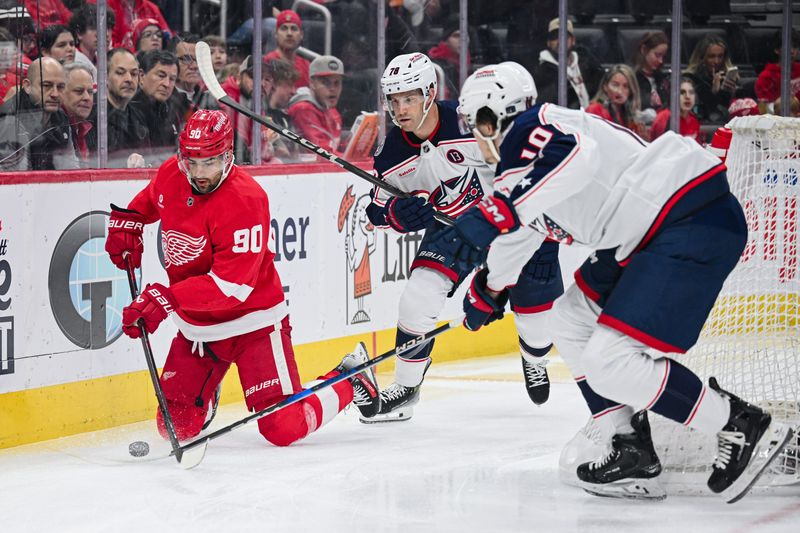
(598, 42)
(757, 49)
(691, 36)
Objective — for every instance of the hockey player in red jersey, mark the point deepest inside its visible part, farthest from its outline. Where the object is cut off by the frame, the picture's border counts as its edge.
(224, 292)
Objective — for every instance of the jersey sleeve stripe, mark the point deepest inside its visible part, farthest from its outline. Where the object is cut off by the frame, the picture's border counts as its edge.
(238, 291)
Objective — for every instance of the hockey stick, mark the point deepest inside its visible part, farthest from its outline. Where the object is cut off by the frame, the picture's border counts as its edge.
(203, 441)
(186, 461)
(207, 73)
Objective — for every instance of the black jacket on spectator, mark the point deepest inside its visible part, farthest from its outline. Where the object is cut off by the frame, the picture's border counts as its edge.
(546, 78)
(710, 107)
(661, 80)
(28, 143)
(164, 124)
(127, 133)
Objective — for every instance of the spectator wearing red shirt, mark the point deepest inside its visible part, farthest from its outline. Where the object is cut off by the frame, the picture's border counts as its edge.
(47, 12)
(689, 125)
(127, 13)
(768, 84)
(289, 36)
(617, 99)
(314, 112)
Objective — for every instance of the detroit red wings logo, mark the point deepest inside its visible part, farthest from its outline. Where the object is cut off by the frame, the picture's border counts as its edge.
(180, 248)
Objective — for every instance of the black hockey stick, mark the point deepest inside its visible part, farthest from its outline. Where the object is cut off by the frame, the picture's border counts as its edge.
(207, 72)
(203, 441)
(186, 461)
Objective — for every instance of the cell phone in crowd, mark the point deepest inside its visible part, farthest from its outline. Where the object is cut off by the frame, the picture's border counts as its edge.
(732, 74)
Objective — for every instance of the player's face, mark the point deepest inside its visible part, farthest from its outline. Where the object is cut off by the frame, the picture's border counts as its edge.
(618, 89)
(715, 55)
(687, 97)
(206, 172)
(488, 142)
(408, 108)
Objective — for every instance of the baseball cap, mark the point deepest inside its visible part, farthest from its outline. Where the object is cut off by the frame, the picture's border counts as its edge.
(553, 26)
(288, 16)
(140, 25)
(326, 66)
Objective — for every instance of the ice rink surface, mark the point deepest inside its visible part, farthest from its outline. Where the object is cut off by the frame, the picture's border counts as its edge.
(477, 456)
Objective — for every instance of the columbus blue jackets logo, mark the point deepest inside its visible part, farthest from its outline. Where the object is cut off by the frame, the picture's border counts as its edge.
(456, 195)
(550, 227)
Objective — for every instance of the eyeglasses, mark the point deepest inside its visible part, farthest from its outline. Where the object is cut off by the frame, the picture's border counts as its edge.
(188, 59)
(148, 34)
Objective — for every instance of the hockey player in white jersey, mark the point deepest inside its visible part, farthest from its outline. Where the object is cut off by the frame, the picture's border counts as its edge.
(430, 157)
(667, 232)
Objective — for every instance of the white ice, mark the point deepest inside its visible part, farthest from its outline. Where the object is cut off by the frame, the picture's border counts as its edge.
(477, 456)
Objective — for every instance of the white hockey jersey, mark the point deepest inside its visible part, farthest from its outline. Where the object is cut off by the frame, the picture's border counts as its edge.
(447, 168)
(575, 177)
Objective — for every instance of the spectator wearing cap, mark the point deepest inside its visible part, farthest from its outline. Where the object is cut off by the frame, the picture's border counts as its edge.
(152, 100)
(689, 125)
(314, 112)
(289, 36)
(78, 103)
(447, 55)
(583, 70)
(127, 13)
(768, 84)
(84, 26)
(47, 12)
(147, 36)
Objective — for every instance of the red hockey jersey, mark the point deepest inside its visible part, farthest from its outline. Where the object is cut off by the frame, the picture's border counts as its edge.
(218, 252)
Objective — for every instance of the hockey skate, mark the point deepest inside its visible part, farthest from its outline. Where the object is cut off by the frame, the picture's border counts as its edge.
(213, 403)
(746, 446)
(630, 468)
(536, 381)
(366, 395)
(397, 402)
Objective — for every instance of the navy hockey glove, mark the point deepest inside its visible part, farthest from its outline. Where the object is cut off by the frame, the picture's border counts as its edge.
(480, 308)
(408, 214)
(465, 244)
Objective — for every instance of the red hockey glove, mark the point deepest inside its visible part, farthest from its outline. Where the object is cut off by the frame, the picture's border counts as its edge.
(152, 306)
(124, 240)
(480, 307)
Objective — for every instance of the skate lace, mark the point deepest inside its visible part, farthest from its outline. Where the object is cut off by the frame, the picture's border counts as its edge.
(535, 373)
(600, 463)
(393, 392)
(726, 440)
(360, 394)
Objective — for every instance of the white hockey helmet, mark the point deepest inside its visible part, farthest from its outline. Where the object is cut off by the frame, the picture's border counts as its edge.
(507, 89)
(409, 72)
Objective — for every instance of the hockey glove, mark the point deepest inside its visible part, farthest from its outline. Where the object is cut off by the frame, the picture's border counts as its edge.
(124, 240)
(480, 307)
(152, 306)
(408, 214)
(465, 244)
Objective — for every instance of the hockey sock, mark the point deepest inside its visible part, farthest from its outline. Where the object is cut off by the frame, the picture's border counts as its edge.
(531, 354)
(410, 368)
(606, 411)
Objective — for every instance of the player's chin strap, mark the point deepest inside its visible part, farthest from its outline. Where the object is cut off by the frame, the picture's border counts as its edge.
(425, 110)
(489, 141)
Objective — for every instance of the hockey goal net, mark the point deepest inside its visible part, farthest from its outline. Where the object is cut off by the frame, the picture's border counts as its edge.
(751, 341)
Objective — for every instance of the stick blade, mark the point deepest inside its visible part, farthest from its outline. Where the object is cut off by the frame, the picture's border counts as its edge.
(193, 456)
(206, 67)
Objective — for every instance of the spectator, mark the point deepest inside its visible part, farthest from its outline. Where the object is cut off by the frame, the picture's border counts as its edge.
(617, 99)
(447, 55)
(768, 84)
(708, 65)
(152, 100)
(83, 25)
(128, 12)
(16, 19)
(127, 131)
(189, 91)
(281, 77)
(78, 103)
(34, 131)
(219, 53)
(689, 126)
(231, 69)
(48, 12)
(58, 42)
(147, 35)
(313, 112)
(794, 107)
(8, 59)
(653, 80)
(289, 36)
(583, 70)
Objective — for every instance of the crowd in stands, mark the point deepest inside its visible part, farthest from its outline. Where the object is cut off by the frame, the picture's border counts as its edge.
(49, 79)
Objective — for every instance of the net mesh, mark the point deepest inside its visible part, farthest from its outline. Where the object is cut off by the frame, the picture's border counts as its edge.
(750, 341)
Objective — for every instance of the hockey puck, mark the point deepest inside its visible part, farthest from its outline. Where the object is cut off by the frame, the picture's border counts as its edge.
(139, 448)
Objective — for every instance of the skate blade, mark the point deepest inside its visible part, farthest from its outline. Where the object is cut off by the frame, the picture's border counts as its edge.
(769, 446)
(401, 415)
(628, 489)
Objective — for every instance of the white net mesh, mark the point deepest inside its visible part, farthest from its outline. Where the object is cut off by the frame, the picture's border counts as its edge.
(750, 341)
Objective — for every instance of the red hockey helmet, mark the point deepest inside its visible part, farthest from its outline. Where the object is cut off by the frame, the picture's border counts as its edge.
(208, 133)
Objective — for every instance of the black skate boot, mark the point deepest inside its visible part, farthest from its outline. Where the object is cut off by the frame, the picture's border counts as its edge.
(629, 469)
(745, 447)
(397, 402)
(366, 395)
(536, 381)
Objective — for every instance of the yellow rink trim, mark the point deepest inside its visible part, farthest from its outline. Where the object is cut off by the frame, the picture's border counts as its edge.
(60, 410)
